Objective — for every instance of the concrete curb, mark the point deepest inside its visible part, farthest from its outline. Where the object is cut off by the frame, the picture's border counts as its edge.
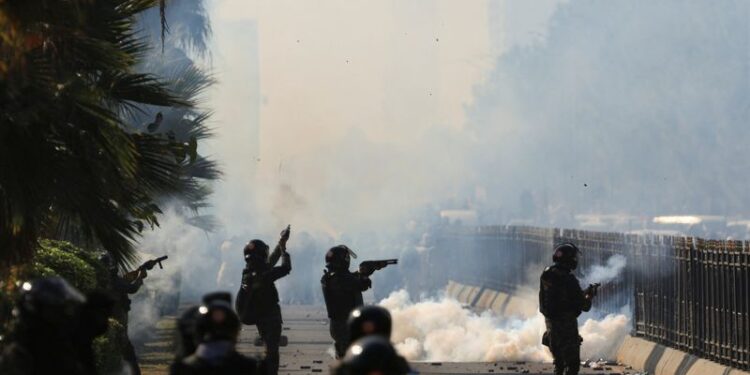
(488, 299)
(644, 355)
(641, 354)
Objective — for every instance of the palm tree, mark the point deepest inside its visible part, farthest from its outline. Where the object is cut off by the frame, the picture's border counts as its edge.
(186, 41)
(68, 155)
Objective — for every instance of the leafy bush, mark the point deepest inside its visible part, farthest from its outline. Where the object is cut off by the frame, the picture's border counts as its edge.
(78, 266)
(65, 260)
(108, 348)
(90, 257)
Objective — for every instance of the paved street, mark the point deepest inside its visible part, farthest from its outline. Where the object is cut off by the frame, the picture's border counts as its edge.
(308, 351)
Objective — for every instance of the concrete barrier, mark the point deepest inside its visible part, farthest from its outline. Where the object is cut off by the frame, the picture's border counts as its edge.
(485, 299)
(470, 295)
(644, 355)
(640, 354)
(498, 304)
(466, 294)
(453, 289)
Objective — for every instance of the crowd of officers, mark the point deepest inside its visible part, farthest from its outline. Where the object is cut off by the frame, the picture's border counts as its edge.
(57, 324)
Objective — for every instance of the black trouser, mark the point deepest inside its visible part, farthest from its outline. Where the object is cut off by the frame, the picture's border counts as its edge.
(340, 334)
(565, 345)
(128, 354)
(269, 329)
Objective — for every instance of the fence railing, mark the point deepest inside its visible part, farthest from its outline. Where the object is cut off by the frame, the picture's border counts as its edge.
(684, 292)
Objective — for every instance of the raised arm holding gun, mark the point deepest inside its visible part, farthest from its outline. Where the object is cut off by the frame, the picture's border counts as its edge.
(258, 300)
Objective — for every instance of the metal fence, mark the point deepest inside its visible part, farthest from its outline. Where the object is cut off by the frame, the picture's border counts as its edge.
(684, 292)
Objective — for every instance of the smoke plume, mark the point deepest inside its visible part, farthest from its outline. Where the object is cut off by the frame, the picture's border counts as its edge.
(606, 273)
(442, 330)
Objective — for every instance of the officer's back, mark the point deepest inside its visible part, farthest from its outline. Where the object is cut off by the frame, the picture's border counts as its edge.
(217, 329)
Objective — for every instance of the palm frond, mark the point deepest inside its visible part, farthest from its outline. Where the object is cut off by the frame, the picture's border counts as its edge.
(69, 162)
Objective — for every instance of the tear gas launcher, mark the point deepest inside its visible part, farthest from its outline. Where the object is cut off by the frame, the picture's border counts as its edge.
(368, 267)
(593, 289)
(140, 272)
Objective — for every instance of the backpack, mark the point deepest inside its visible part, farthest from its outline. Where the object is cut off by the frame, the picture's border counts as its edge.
(244, 305)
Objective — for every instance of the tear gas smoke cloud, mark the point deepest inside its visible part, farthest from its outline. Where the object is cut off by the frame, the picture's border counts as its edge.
(189, 271)
(342, 115)
(607, 272)
(442, 330)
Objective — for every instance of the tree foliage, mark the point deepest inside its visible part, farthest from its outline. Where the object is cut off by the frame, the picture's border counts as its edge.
(71, 158)
(186, 42)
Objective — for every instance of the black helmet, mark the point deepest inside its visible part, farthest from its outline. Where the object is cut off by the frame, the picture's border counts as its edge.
(339, 257)
(51, 300)
(217, 296)
(372, 354)
(186, 324)
(217, 321)
(566, 254)
(256, 252)
(369, 320)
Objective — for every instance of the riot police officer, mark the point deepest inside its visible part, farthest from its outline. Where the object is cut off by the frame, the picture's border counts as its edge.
(216, 330)
(373, 320)
(258, 300)
(53, 334)
(371, 355)
(187, 339)
(369, 320)
(120, 289)
(561, 301)
(342, 291)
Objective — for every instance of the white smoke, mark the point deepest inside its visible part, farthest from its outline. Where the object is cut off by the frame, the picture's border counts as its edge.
(442, 330)
(606, 273)
(189, 271)
(602, 337)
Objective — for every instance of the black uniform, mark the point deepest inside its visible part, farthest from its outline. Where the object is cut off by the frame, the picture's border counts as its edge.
(561, 301)
(342, 291)
(121, 288)
(36, 350)
(259, 281)
(186, 339)
(55, 329)
(231, 364)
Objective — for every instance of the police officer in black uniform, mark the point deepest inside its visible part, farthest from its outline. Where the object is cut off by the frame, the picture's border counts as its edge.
(369, 320)
(187, 339)
(258, 299)
(561, 301)
(342, 291)
(120, 289)
(373, 320)
(55, 328)
(216, 329)
(372, 354)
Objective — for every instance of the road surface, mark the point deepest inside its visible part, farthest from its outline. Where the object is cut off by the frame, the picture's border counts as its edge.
(310, 345)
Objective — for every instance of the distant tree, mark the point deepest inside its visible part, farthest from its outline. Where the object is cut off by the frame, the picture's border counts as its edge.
(185, 42)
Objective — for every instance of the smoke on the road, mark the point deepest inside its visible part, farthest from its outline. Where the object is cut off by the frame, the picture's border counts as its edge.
(443, 330)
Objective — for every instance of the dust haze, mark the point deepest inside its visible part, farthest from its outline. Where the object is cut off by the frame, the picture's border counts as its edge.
(359, 121)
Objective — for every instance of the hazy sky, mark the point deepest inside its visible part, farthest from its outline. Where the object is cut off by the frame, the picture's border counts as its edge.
(359, 102)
